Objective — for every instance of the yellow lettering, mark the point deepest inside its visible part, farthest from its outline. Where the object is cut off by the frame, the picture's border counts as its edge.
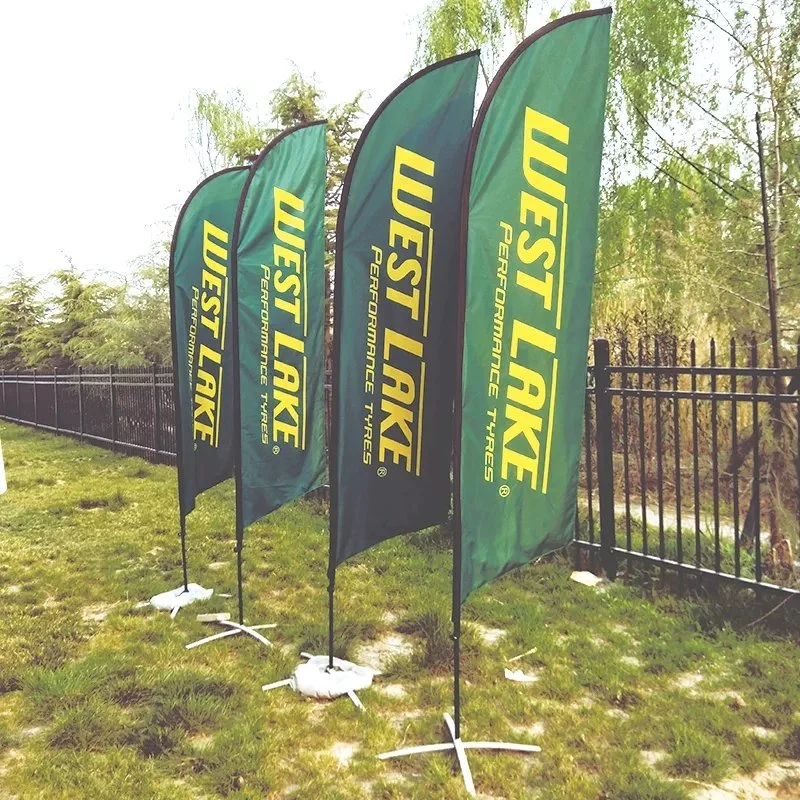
(215, 248)
(520, 332)
(536, 151)
(411, 186)
(284, 218)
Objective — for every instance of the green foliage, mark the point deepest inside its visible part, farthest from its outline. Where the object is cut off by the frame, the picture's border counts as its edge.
(87, 322)
(68, 323)
(228, 133)
(21, 310)
(224, 133)
(136, 330)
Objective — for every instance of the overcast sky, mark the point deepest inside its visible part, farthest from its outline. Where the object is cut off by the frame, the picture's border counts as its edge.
(94, 154)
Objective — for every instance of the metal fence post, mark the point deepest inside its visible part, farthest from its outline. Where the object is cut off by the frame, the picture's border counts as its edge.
(605, 458)
(55, 397)
(18, 417)
(113, 409)
(156, 415)
(80, 402)
(35, 404)
(5, 407)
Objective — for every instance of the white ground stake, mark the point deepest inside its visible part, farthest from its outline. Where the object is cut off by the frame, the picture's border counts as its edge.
(235, 627)
(460, 748)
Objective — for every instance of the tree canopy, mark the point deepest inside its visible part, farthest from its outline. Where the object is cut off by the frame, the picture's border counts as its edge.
(681, 237)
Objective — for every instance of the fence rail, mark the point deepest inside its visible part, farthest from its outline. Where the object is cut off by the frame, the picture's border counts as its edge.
(128, 410)
(692, 464)
(689, 464)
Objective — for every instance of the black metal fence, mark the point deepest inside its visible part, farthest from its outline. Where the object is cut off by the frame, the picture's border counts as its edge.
(129, 410)
(691, 462)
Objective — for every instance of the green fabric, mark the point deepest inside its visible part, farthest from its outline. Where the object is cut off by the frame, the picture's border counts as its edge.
(396, 280)
(280, 268)
(531, 239)
(202, 349)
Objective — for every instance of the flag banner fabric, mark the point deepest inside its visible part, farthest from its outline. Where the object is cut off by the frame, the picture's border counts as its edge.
(202, 355)
(530, 207)
(395, 311)
(279, 269)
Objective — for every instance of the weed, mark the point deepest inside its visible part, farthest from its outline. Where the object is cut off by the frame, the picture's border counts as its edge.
(90, 727)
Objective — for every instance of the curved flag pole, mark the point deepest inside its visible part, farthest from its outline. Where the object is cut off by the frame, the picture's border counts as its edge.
(453, 724)
(178, 423)
(340, 550)
(175, 599)
(235, 628)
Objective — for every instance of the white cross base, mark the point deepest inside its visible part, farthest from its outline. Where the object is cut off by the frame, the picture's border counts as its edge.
(461, 747)
(235, 627)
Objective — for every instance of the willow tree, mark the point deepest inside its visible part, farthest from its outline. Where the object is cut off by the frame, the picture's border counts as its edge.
(227, 132)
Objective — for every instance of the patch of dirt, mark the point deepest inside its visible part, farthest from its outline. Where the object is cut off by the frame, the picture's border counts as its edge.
(652, 757)
(378, 654)
(400, 718)
(621, 629)
(216, 565)
(32, 731)
(688, 680)
(536, 730)
(586, 701)
(394, 690)
(780, 780)
(317, 709)
(617, 713)
(631, 661)
(490, 636)
(9, 757)
(201, 741)
(391, 777)
(762, 733)
(343, 752)
(97, 612)
(729, 697)
(13, 588)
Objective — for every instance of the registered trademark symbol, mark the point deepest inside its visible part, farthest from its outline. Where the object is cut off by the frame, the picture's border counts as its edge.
(195, 445)
(505, 491)
(382, 472)
(276, 449)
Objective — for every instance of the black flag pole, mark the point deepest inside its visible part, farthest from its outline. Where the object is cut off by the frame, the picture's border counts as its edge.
(240, 627)
(333, 452)
(453, 723)
(237, 415)
(178, 418)
(200, 470)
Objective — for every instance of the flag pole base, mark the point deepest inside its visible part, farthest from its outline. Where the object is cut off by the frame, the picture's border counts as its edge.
(234, 629)
(460, 748)
(174, 600)
(313, 679)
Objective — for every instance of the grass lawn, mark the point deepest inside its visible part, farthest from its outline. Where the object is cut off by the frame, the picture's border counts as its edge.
(640, 695)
